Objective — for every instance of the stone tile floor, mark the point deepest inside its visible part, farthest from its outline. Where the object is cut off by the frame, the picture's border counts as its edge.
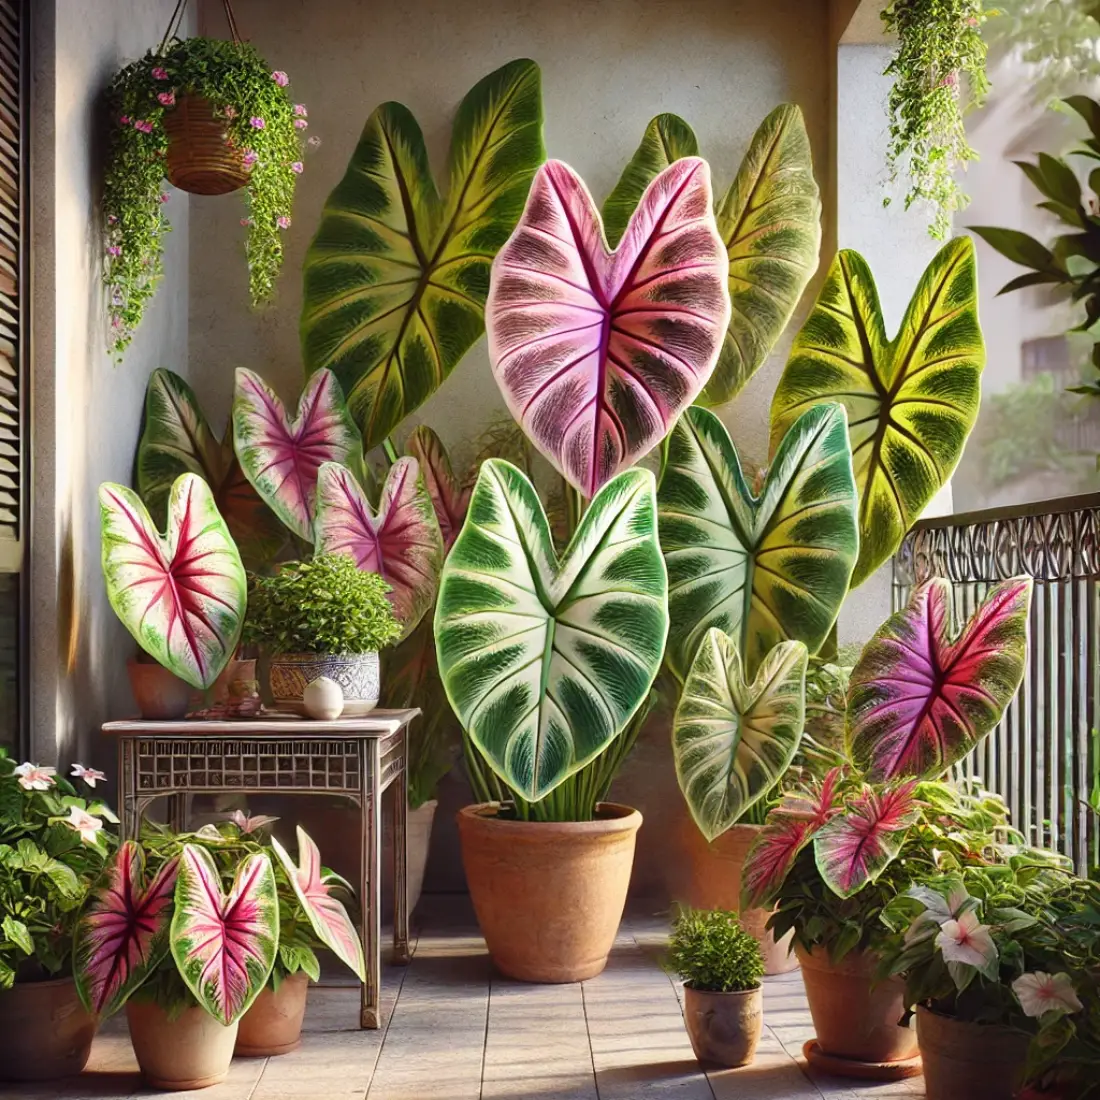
(456, 1030)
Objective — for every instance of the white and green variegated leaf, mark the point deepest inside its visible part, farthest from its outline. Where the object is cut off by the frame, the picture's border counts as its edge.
(763, 569)
(545, 660)
(732, 741)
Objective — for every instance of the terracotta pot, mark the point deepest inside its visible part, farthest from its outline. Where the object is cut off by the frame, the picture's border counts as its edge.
(713, 881)
(201, 160)
(855, 1018)
(190, 1052)
(549, 895)
(357, 675)
(46, 1031)
(235, 670)
(724, 1028)
(273, 1025)
(963, 1060)
(158, 693)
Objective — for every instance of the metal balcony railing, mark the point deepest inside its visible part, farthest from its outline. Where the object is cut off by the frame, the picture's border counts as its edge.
(1043, 757)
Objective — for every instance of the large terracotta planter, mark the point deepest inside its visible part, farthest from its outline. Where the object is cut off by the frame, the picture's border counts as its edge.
(724, 1028)
(549, 895)
(357, 674)
(713, 881)
(854, 1017)
(45, 1031)
(159, 694)
(192, 1051)
(273, 1025)
(963, 1061)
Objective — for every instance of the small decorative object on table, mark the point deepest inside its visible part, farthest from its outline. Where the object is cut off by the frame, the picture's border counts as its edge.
(323, 699)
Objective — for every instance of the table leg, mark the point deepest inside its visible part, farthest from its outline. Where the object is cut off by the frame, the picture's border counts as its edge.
(129, 814)
(370, 886)
(177, 812)
(400, 859)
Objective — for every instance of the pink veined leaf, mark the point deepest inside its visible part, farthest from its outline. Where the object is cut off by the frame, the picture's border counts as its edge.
(182, 595)
(449, 498)
(596, 352)
(817, 804)
(772, 856)
(855, 847)
(225, 944)
(123, 931)
(402, 542)
(920, 697)
(328, 917)
(281, 457)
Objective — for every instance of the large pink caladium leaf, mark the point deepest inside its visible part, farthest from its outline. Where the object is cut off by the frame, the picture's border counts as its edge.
(225, 944)
(280, 456)
(921, 697)
(182, 595)
(449, 498)
(329, 918)
(856, 846)
(400, 542)
(596, 352)
(123, 931)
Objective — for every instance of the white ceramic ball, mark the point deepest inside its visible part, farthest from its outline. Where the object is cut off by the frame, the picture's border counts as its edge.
(323, 699)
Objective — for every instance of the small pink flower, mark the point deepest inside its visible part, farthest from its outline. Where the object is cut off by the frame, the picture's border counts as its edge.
(167, 99)
(116, 322)
(89, 775)
(249, 824)
(35, 778)
(298, 167)
(164, 196)
(114, 250)
(124, 120)
(256, 122)
(300, 124)
(160, 74)
(112, 218)
(280, 78)
(246, 221)
(313, 142)
(230, 112)
(144, 127)
(283, 222)
(1041, 993)
(300, 110)
(951, 80)
(86, 824)
(250, 157)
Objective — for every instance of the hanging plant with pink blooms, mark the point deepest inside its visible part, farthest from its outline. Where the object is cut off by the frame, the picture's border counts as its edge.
(261, 122)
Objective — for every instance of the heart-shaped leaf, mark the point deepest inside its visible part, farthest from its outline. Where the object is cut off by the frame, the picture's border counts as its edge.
(769, 219)
(182, 596)
(122, 933)
(225, 944)
(598, 353)
(545, 661)
(732, 742)
(765, 568)
(911, 401)
(401, 543)
(281, 457)
(449, 498)
(328, 917)
(396, 277)
(922, 696)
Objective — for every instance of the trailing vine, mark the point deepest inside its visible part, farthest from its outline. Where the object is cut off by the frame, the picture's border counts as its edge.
(939, 73)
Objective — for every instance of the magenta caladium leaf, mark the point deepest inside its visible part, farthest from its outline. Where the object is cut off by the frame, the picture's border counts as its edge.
(182, 596)
(123, 931)
(596, 352)
(329, 918)
(225, 944)
(921, 697)
(401, 542)
(856, 846)
(280, 456)
(449, 498)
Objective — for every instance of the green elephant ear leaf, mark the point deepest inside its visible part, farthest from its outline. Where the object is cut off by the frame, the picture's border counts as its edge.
(545, 661)
(763, 569)
(396, 277)
(732, 741)
(911, 401)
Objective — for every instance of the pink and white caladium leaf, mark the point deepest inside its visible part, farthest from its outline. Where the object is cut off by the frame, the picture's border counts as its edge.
(182, 595)
(596, 352)
(123, 931)
(280, 456)
(401, 542)
(922, 696)
(225, 944)
(856, 846)
(328, 917)
(449, 498)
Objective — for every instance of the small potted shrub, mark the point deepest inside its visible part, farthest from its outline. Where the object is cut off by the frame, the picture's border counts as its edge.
(721, 966)
(53, 844)
(322, 617)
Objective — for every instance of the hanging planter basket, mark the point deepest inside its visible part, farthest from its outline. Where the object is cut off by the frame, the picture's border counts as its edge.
(201, 159)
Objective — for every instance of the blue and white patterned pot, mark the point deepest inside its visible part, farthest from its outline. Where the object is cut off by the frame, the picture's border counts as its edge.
(357, 674)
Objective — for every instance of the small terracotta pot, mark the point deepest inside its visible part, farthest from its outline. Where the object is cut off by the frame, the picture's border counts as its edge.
(724, 1028)
(235, 670)
(854, 1017)
(46, 1031)
(273, 1025)
(549, 896)
(713, 881)
(192, 1051)
(159, 694)
(963, 1060)
(358, 676)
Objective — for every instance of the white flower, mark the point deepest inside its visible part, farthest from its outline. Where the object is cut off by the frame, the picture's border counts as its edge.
(34, 778)
(89, 775)
(937, 910)
(1040, 993)
(86, 824)
(967, 940)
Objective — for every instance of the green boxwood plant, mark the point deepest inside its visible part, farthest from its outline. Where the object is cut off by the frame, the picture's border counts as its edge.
(712, 953)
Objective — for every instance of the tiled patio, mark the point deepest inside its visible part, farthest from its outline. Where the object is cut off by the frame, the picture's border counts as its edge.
(455, 1030)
